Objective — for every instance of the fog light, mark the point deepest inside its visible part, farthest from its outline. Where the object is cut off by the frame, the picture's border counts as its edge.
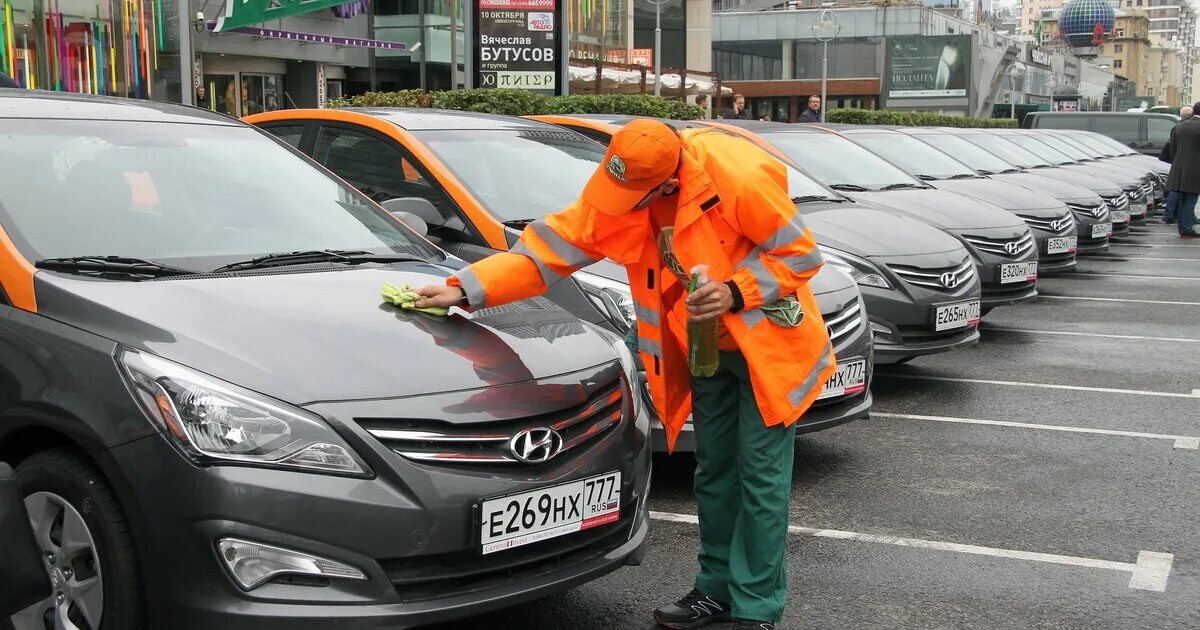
(253, 564)
(880, 331)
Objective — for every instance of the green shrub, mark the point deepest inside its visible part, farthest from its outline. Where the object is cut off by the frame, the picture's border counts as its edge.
(523, 103)
(911, 119)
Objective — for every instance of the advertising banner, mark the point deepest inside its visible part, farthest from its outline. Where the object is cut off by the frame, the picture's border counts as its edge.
(517, 45)
(249, 12)
(929, 66)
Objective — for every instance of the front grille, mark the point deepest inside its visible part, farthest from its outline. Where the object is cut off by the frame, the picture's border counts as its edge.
(829, 405)
(1010, 248)
(439, 442)
(424, 578)
(1098, 211)
(1147, 188)
(924, 333)
(997, 290)
(959, 275)
(1052, 260)
(1060, 225)
(842, 323)
(1117, 202)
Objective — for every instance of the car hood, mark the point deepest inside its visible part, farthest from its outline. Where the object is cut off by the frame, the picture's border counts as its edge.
(306, 335)
(870, 233)
(1099, 185)
(827, 280)
(1011, 198)
(1118, 177)
(941, 209)
(1064, 191)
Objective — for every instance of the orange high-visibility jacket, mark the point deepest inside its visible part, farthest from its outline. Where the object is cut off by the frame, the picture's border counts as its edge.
(734, 215)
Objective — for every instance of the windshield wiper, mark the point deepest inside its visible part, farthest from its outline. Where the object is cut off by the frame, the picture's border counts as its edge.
(965, 176)
(849, 187)
(518, 223)
(902, 186)
(927, 178)
(812, 198)
(347, 256)
(112, 265)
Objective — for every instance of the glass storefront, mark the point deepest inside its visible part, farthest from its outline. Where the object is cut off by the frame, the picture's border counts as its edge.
(117, 48)
(259, 93)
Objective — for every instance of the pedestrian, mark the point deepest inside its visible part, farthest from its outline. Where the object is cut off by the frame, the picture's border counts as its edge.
(660, 203)
(813, 113)
(702, 103)
(8, 82)
(202, 98)
(1171, 210)
(738, 111)
(1183, 182)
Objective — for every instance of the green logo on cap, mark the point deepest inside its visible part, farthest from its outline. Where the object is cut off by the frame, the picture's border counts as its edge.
(616, 167)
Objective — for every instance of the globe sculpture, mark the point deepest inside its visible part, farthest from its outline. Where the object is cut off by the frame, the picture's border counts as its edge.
(1086, 23)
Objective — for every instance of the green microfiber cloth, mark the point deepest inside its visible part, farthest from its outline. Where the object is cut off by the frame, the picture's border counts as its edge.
(406, 298)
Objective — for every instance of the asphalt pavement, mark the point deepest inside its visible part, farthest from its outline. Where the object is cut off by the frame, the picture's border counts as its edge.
(1047, 478)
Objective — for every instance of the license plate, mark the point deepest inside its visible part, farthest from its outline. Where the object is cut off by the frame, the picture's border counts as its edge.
(849, 379)
(959, 315)
(1138, 210)
(1062, 244)
(1120, 216)
(1101, 229)
(521, 519)
(1018, 272)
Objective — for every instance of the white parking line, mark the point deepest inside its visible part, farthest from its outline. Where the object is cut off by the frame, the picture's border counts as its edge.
(1180, 441)
(1149, 573)
(1107, 390)
(1083, 334)
(1125, 258)
(1148, 246)
(1119, 275)
(1100, 299)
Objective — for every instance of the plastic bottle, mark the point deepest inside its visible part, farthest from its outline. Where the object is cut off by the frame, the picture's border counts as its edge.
(702, 336)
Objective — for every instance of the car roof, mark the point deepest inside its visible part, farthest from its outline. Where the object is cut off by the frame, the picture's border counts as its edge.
(759, 126)
(38, 104)
(1105, 114)
(422, 119)
(620, 120)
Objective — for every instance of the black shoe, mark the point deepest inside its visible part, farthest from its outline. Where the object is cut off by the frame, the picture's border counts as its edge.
(695, 610)
(746, 624)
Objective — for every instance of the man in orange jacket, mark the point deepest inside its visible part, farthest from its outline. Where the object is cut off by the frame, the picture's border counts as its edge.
(661, 203)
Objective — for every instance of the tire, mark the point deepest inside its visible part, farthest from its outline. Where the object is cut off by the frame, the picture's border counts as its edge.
(62, 490)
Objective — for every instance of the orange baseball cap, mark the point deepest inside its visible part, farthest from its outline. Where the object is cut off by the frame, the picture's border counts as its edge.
(641, 157)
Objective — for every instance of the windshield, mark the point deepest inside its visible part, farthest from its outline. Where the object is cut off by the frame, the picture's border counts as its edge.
(834, 160)
(198, 196)
(1075, 144)
(1066, 148)
(913, 156)
(1005, 150)
(517, 174)
(967, 153)
(1103, 144)
(1038, 148)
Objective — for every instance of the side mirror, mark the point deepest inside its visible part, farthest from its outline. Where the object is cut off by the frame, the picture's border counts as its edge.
(416, 206)
(413, 221)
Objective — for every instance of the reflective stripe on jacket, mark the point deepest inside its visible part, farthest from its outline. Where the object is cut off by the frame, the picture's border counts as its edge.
(735, 215)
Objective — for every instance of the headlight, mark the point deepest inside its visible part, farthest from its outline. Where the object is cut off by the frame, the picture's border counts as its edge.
(213, 422)
(863, 271)
(629, 365)
(612, 298)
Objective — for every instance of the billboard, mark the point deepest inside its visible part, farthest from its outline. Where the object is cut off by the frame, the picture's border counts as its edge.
(517, 44)
(922, 66)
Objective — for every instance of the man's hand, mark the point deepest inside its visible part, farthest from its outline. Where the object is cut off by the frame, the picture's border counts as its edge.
(441, 295)
(709, 301)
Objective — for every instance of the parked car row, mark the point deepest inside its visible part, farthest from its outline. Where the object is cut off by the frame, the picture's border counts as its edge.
(243, 410)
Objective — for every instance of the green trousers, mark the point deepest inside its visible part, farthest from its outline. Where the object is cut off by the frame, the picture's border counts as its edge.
(743, 483)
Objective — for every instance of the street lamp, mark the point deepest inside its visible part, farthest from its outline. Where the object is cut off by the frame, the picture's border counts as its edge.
(1012, 73)
(658, 44)
(825, 30)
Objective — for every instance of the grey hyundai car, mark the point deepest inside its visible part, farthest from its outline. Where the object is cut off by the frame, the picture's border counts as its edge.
(218, 423)
(918, 284)
(1115, 199)
(1052, 223)
(1152, 170)
(1001, 245)
(1091, 214)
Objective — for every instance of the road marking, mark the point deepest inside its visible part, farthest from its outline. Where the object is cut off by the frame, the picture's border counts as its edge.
(1083, 334)
(1107, 390)
(1100, 299)
(1149, 573)
(1126, 258)
(1180, 441)
(1119, 275)
(1146, 245)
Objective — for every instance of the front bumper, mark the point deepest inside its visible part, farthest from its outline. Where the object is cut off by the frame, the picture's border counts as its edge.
(887, 353)
(412, 529)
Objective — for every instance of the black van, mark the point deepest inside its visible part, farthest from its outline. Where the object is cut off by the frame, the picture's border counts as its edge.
(1142, 131)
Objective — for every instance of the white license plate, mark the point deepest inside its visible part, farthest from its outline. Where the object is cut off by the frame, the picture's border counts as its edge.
(849, 379)
(1018, 272)
(1101, 229)
(521, 519)
(1062, 244)
(1138, 210)
(958, 315)
(1120, 216)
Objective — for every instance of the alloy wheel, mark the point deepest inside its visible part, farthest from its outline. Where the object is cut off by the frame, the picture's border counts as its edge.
(73, 564)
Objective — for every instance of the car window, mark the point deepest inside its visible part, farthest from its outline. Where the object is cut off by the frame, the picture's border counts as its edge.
(1126, 129)
(833, 160)
(599, 136)
(1065, 121)
(1158, 131)
(967, 153)
(290, 134)
(1005, 150)
(197, 195)
(912, 155)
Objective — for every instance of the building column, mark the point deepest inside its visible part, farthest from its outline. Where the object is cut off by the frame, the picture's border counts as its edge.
(787, 50)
